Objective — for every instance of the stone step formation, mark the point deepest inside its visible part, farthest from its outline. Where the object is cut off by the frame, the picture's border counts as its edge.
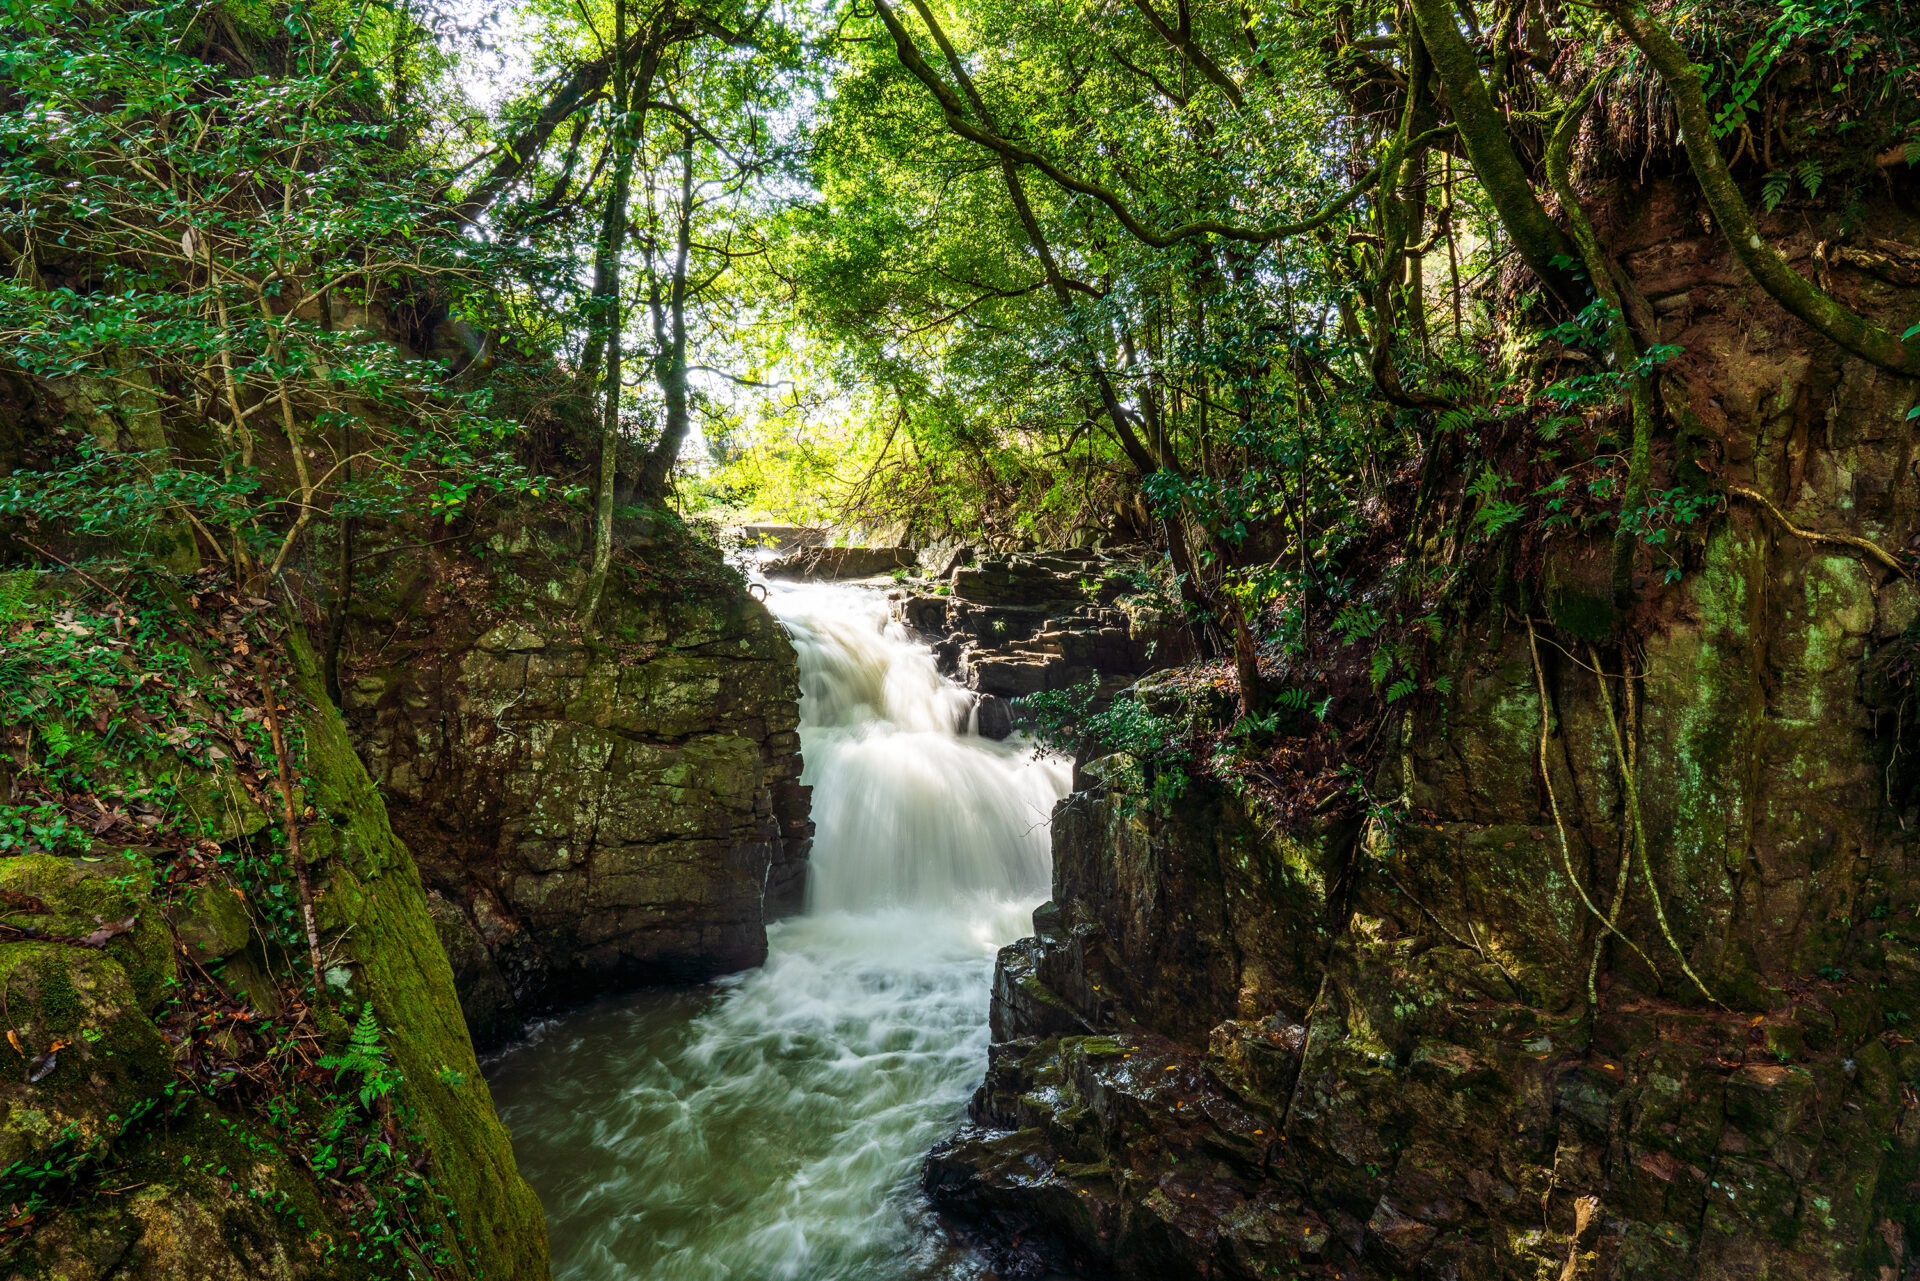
(1012, 624)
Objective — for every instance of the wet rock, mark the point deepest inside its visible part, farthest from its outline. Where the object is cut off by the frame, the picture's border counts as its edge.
(841, 562)
(949, 653)
(593, 811)
(925, 614)
(1011, 675)
(993, 718)
(1119, 1156)
(992, 626)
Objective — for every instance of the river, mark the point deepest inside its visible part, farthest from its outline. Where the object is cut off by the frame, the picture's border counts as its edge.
(770, 1127)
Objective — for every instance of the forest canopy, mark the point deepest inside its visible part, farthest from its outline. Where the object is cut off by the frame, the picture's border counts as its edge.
(1286, 291)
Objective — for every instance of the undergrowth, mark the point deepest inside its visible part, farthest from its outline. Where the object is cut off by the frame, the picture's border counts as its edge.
(134, 725)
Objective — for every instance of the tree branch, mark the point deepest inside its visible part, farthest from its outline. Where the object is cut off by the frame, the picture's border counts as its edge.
(955, 111)
(1182, 42)
(1489, 149)
(1783, 284)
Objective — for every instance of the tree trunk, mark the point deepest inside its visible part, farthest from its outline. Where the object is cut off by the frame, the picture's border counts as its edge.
(670, 333)
(613, 232)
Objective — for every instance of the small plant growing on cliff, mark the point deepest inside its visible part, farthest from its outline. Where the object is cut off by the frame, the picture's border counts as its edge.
(365, 1058)
(1063, 721)
(15, 588)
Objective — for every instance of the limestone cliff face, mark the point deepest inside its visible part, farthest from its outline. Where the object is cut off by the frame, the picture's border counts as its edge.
(589, 811)
(1415, 1048)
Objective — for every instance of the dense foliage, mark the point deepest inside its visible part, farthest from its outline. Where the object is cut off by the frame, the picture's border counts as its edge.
(1273, 289)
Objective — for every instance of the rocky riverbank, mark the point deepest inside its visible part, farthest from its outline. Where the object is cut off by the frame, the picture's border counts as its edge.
(1368, 1049)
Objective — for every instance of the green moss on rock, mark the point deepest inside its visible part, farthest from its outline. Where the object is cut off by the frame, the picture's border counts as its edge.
(375, 895)
(202, 1189)
(75, 1009)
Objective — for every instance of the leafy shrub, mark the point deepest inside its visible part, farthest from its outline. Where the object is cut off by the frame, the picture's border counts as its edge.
(1064, 721)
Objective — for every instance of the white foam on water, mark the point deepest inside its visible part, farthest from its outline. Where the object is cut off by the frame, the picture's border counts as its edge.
(771, 1127)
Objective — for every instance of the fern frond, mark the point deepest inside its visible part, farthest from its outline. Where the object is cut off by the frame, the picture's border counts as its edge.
(366, 1032)
(14, 590)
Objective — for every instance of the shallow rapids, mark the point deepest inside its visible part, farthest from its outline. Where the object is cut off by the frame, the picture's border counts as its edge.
(770, 1127)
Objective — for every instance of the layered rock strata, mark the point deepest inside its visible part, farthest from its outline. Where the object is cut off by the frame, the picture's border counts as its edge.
(590, 811)
(1025, 623)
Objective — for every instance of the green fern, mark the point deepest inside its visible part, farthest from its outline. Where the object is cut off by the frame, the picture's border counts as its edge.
(366, 1058)
(14, 590)
(1811, 175)
(1486, 484)
(1499, 514)
(1355, 621)
(1775, 189)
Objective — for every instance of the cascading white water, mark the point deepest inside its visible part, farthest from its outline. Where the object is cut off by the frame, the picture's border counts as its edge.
(770, 1127)
(909, 810)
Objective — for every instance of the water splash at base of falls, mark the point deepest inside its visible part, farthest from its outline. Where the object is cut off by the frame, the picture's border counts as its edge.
(770, 1127)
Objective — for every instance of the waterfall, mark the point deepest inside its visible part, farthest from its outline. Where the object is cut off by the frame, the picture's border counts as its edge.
(770, 1127)
(910, 807)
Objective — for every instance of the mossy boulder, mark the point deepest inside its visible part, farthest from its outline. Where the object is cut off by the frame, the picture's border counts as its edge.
(206, 1196)
(211, 923)
(86, 894)
(85, 1058)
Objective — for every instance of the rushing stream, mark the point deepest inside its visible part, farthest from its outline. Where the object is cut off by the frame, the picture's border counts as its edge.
(770, 1127)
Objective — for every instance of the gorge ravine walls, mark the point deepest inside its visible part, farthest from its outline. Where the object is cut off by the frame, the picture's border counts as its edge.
(589, 812)
(1234, 1050)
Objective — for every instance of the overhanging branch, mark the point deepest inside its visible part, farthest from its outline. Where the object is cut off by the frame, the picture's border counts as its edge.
(1783, 284)
(955, 112)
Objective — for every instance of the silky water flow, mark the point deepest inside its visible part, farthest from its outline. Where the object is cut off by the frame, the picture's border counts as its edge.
(770, 1127)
